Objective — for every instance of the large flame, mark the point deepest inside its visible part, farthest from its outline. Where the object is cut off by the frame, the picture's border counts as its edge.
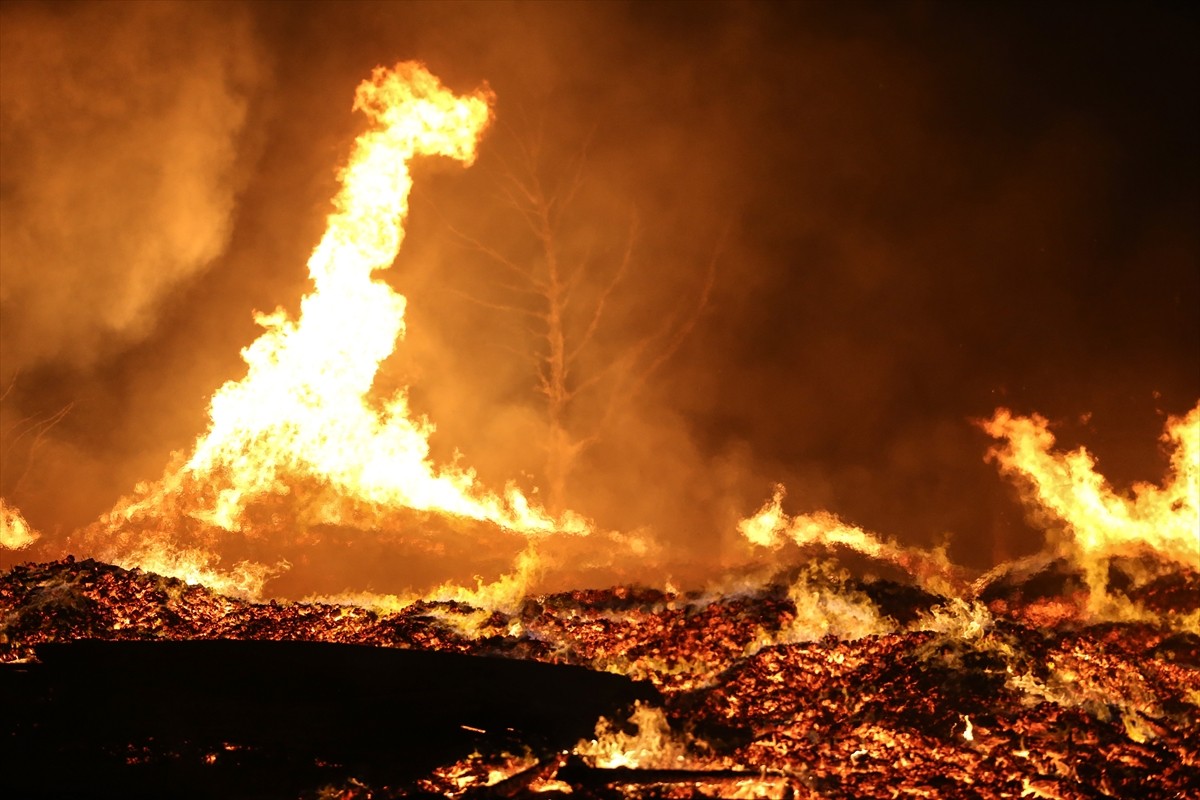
(1064, 489)
(1100, 523)
(1098, 520)
(303, 412)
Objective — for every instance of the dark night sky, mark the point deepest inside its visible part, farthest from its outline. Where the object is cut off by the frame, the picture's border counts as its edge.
(930, 210)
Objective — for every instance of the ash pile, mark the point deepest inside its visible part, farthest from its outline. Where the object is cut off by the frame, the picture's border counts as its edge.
(813, 684)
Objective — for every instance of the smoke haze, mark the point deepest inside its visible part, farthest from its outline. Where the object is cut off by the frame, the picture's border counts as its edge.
(121, 134)
(918, 212)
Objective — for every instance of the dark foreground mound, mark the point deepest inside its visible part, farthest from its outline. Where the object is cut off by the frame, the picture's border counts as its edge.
(261, 718)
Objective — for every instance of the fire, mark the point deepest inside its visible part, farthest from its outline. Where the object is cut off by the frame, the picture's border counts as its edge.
(15, 533)
(652, 744)
(771, 527)
(1101, 523)
(304, 411)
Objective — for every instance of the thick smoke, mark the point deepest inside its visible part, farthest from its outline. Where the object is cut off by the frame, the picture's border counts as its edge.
(120, 152)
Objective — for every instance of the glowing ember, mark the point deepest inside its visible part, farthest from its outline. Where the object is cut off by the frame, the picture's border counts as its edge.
(954, 701)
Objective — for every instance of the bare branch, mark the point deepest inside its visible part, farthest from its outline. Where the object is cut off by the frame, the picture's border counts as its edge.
(498, 306)
(40, 427)
(541, 202)
(688, 325)
(530, 145)
(8, 389)
(32, 424)
(528, 193)
(622, 366)
(543, 381)
(490, 252)
(522, 191)
(537, 333)
(567, 292)
(525, 181)
(524, 355)
(523, 194)
(576, 182)
(601, 304)
(524, 273)
(630, 382)
(532, 290)
(575, 275)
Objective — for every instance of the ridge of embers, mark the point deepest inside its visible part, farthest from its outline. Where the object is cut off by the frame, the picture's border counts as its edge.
(813, 685)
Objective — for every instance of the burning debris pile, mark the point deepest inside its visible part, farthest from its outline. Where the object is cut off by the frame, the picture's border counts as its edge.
(156, 671)
(762, 691)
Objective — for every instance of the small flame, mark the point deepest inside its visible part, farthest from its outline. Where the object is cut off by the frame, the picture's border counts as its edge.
(15, 533)
(771, 527)
(651, 746)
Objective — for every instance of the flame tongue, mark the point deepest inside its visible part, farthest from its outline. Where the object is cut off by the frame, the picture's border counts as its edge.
(1102, 522)
(302, 413)
(302, 405)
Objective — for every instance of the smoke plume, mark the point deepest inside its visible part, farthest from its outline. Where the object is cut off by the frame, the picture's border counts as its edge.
(120, 147)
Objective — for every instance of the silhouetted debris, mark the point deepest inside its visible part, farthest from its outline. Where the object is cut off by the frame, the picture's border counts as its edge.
(902, 602)
(277, 714)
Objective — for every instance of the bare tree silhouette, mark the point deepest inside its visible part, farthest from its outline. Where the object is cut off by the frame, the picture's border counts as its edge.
(564, 320)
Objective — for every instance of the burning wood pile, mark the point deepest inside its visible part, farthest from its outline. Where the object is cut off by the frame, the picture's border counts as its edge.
(1076, 676)
(814, 684)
